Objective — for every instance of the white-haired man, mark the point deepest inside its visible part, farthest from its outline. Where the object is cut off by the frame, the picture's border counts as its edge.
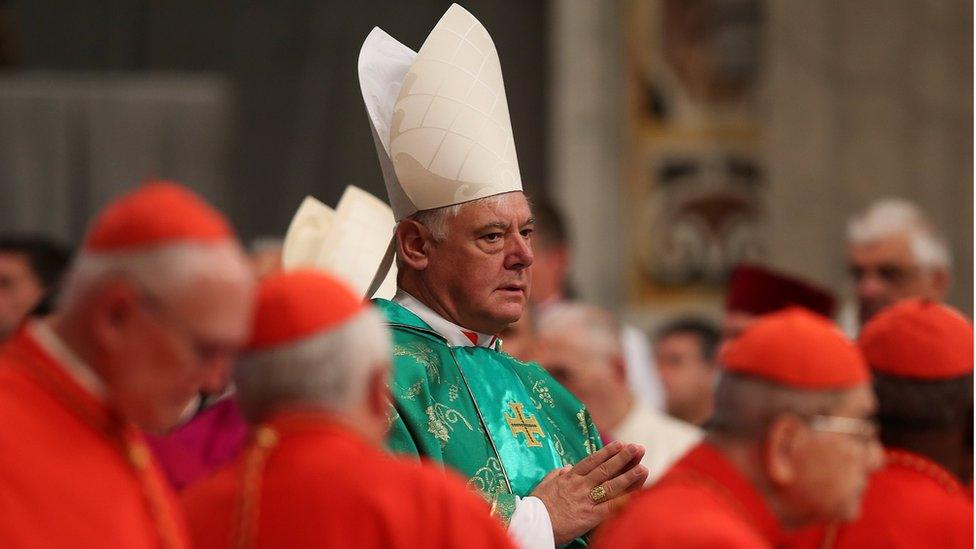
(462, 243)
(895, 252)
(314, 380)
(581, 346)
(154, 307)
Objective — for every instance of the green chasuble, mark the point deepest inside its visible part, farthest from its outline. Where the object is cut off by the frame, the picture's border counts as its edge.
(502, 423)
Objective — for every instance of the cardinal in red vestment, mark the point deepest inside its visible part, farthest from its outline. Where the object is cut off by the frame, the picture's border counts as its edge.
(921, 354)
(314, 379)
(154, 305)
(790, 444)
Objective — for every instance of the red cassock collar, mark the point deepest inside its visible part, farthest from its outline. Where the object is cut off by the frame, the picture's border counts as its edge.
(706, 466)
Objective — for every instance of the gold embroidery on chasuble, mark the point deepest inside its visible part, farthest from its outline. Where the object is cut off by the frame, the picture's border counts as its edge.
(557, 442)
(524, 424)
(452, 392)
(393, 417)
(441, 421)
(422, 355)
(413, 391)
(541, 390)
(587, 443)
(489, 479)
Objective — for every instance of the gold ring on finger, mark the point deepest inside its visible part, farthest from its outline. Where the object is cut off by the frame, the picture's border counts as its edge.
(598, 493)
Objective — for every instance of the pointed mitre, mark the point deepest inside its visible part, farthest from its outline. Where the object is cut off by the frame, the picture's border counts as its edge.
(439, 117)
(349, 242)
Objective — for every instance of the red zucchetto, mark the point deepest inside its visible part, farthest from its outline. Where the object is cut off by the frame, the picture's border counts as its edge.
(796, 348)
(155, 214)
(296, 305)
(919, 339)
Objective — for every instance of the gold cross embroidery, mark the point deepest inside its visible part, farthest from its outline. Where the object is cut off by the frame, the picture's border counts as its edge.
(527, 426)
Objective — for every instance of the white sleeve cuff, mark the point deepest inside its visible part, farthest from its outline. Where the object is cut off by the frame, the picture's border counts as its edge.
(530, 526)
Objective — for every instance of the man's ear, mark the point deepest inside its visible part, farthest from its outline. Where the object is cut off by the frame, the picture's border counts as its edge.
(783, 441)
(111, 310)
(619, 368)
(413, 244)
(378, 392)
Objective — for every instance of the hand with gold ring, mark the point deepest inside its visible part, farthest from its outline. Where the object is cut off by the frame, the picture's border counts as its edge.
(580, 498)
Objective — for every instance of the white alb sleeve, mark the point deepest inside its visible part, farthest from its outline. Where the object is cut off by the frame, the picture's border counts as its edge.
(530, 526)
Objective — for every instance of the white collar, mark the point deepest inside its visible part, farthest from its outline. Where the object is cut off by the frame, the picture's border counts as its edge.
(71, 363)
(454, 334)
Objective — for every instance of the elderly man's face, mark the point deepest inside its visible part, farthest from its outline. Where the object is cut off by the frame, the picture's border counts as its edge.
(597, 380)
(480, 272)
(172, 350)
(834, 456)
(885, 271)
(20, 290)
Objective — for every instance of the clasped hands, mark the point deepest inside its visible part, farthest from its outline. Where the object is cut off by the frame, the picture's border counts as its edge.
(573, 494)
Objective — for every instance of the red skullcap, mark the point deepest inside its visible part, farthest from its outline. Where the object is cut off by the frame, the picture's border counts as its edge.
(157, 213)
(298, 304)
(919, 339)
(798, 349)
(757, 290)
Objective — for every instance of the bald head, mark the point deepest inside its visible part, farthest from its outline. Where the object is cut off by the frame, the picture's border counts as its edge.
(579, 345)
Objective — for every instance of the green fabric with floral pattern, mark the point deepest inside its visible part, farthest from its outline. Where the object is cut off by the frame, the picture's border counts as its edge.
(502, 423)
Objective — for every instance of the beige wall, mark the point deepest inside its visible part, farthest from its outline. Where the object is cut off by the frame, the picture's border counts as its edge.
(861, 100)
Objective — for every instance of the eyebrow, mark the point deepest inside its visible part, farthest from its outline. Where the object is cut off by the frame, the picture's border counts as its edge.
(502, 225)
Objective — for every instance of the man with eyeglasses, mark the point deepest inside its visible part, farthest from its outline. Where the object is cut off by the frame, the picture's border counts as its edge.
(921, 354)
(153, 309)
(895, 252)
(791, 443)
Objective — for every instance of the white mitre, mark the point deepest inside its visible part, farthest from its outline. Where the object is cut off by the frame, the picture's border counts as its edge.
(439, 117)
(349, 241)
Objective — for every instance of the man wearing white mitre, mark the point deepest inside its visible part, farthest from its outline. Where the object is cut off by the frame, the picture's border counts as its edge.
(462, 246)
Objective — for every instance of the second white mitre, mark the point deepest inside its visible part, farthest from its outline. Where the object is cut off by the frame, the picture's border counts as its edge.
(439, 117)
(349, 241)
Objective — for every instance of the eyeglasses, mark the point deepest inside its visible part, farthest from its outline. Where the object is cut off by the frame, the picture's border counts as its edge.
(864, 429)
(888, 273)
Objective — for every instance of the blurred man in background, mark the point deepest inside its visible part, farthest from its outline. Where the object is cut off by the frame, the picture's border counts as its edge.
(895, 252)
(315, 380)
(153, 309)
(754, 290)
(30, 271)
(791, 443)
(921, 354)
(580, 346)
(684, 352)
(552, 247)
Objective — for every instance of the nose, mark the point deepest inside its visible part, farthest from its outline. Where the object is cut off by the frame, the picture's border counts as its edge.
(869, 285)
(520, 254)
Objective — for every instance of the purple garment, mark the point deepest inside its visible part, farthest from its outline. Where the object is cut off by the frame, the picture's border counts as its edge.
(212, 438)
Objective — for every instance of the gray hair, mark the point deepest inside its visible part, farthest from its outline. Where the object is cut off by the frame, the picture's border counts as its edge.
(436, 219)
(895, 216)
(164, 271)
(329, 370)
(745, 406)
(599, 328)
